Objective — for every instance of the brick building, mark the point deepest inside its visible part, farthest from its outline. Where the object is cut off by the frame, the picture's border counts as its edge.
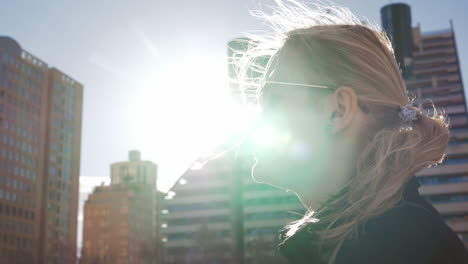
(40, 134)
(120, 220)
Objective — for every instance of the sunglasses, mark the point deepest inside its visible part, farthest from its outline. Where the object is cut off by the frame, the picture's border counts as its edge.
(267, 84)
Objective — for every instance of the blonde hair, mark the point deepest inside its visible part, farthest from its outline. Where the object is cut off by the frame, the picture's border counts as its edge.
(358, 55)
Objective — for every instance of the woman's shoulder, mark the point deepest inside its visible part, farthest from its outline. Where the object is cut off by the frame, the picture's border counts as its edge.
(411, 215)
(411, 232)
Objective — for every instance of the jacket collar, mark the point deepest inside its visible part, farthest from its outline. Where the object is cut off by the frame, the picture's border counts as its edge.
(303, 246)
(411, 188)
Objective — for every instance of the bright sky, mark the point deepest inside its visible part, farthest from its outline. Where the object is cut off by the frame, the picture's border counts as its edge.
(154, 71)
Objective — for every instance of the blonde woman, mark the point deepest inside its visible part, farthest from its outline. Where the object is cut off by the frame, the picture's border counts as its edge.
(348, 140)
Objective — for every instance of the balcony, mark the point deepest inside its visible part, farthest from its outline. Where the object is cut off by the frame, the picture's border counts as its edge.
(437, 89)
(452, 169)
(434, 52)
(434, 61)
(186, 243)
(197, 199)
(457, 150)
(451, 110)
(449, 99)
(459, 135)
(198, 213)
(266, 193)
(194, 228)
(265, 237)
(179, 243)
(436, 35)
(461, 226)
(429, 80)
(452, 208)
(427, 45)
(456, 98)
(447, 188)
(435, 70)
(202, 183)
(454, 109)
(458, 121)
(274, 208)
(269, 223)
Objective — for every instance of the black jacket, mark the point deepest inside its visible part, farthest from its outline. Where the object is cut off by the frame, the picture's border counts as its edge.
(413, 232)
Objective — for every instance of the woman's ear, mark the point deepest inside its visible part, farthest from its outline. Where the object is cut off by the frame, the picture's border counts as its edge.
(345, 104)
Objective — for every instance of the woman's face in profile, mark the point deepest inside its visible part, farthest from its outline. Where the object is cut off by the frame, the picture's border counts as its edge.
(294, 147)
(291, 143)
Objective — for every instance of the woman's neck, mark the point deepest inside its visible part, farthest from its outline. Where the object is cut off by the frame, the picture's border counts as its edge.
(332, 180)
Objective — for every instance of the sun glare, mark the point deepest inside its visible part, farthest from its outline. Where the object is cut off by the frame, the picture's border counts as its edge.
(265, 136)
(185, 111)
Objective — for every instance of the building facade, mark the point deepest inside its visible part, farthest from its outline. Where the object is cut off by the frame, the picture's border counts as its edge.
(134, 170)
(200, 216)
(119, 225)
(436, 76)
(40, 131)
(433, 73)
(120, 220)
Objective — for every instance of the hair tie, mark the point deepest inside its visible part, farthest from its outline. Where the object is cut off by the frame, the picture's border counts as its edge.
(408, 114)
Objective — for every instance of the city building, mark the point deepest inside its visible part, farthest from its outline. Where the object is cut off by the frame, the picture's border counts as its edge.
(120, 220)
(134, 170)
(40, 132)
(201, 215)
(430, 63)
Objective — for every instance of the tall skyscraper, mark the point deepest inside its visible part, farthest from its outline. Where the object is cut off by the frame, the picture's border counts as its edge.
(120, 220)
(40, 131)
(435, 75)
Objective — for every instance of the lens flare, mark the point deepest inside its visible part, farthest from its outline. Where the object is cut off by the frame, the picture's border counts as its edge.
(265, 137)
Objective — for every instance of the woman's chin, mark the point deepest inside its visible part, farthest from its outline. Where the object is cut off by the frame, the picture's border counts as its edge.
(258, 176)
(265, 177)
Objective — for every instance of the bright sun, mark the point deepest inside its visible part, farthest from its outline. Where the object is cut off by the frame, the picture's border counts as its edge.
(186, 110)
